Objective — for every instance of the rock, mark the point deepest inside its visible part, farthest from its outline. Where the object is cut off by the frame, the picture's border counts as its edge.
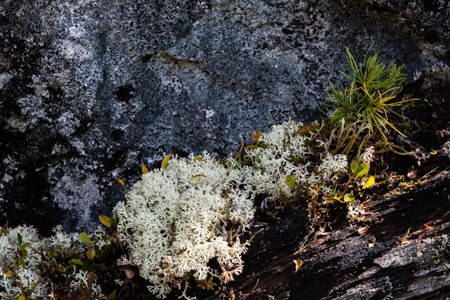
(92, 90)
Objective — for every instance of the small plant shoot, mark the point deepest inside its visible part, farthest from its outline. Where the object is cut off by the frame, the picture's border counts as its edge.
(368, 97)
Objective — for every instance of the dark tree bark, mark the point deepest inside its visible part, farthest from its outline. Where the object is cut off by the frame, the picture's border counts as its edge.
(401, 249)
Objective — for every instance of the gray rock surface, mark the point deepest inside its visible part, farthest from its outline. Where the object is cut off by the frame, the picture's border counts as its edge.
(91, 90)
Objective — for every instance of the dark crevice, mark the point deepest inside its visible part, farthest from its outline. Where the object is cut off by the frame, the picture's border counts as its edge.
(125, 93)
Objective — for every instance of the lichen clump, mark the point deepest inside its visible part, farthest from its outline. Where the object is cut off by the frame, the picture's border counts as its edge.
(284, 152)
(179, 218)
(175, 220)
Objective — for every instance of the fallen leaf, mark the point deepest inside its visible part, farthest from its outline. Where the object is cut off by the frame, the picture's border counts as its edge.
(306, 128)
(362, 230)
(144, 169)
(90, 253)
(256, 134)
(129, 273)
(428, 227)
(412, 174)
(298, 264)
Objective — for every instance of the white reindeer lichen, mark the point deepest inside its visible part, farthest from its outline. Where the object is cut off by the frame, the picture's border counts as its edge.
(174, 222)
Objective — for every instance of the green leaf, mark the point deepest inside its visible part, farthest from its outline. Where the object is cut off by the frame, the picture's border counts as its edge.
(290, 181)
(84, 238)
(21, 263)
(349, 198)
(19, 239)
(76, 261)
(272, 215)
(112, 296)
(354, 166)
(165, 161)
(105, 220)
(362, 170)
(369, 182)
(24, 246)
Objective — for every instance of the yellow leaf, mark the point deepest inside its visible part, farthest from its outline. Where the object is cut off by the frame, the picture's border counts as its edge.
(198, 158)
(290, 181)
(21, 298)
(120, 181)
(369, 182)
(165, 161)
(362, 170)
(90, 253)
(105, 220)
(349, 198)
(144, 169)
(298, 264)
(8, 273)
(251, 147)
(256, 134)
(196, 176)
(112, 296)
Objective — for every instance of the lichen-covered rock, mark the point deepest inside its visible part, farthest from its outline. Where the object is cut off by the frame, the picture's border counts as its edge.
(91, 90)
